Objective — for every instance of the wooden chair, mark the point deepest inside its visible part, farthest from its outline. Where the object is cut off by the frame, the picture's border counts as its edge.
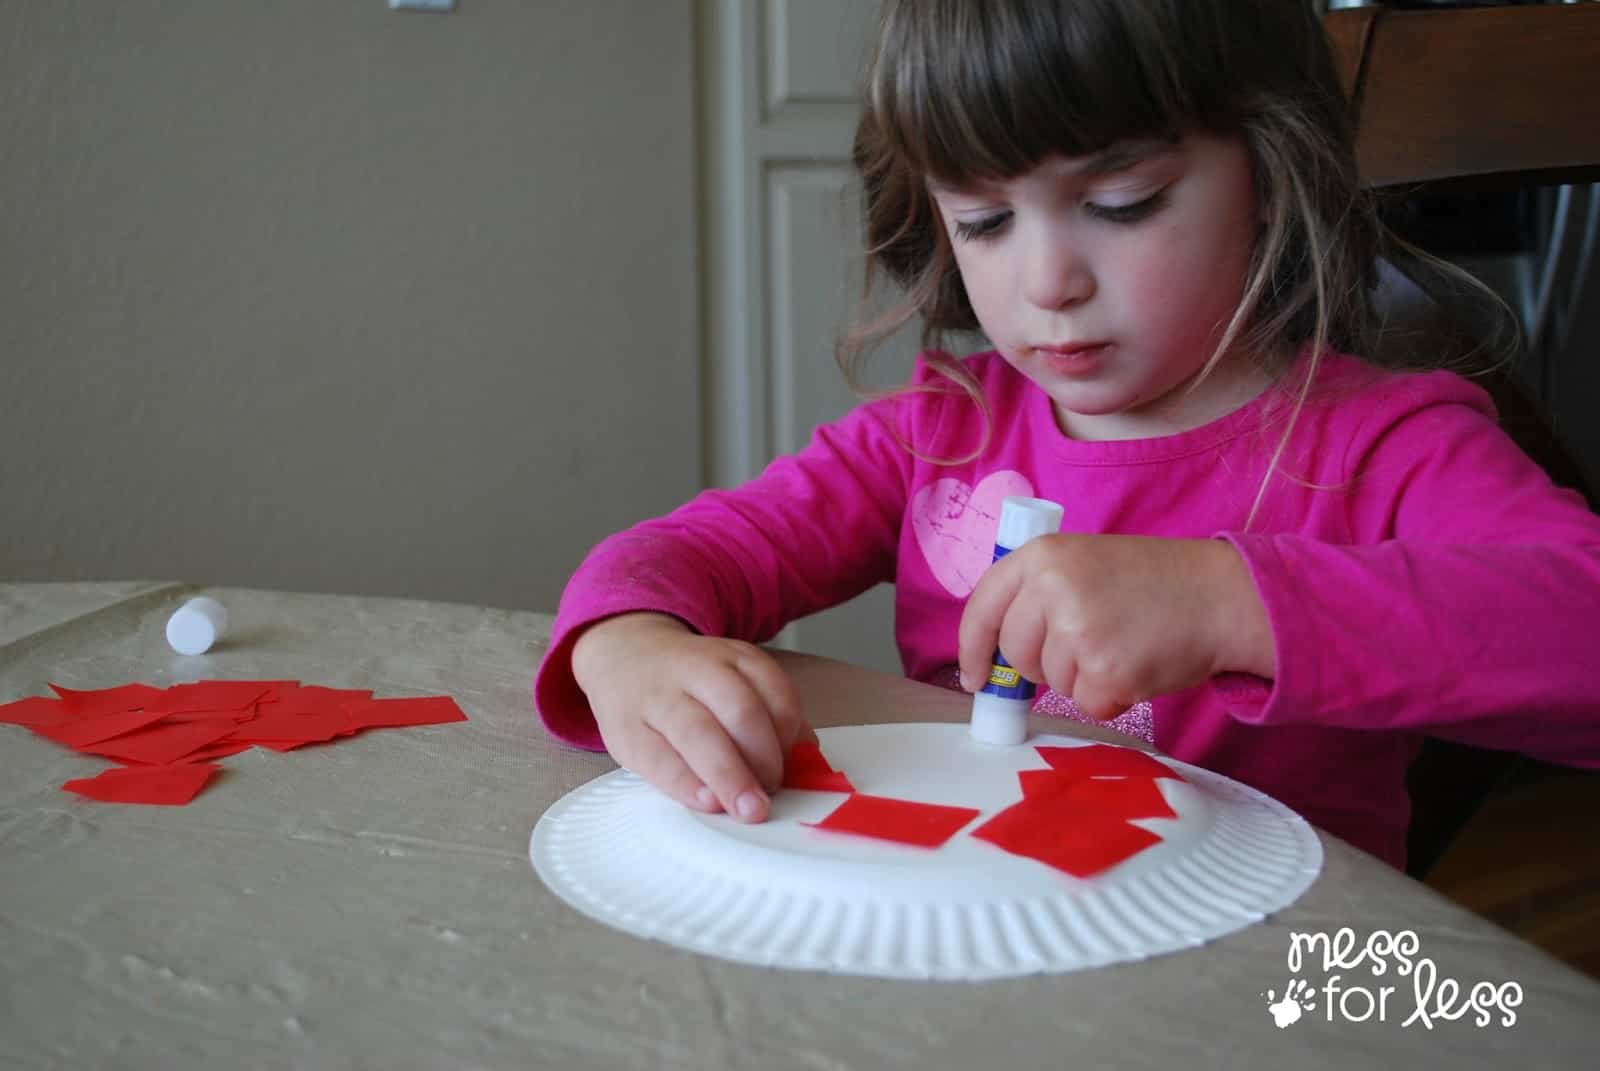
(1474, 99)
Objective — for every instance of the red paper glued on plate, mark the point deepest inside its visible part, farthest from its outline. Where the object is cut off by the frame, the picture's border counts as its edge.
(1081, 843)
(1106, 760)
(923, 825)
(1119, 797)
(808, 769)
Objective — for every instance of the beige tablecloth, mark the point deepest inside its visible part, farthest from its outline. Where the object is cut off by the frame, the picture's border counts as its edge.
(370, 903)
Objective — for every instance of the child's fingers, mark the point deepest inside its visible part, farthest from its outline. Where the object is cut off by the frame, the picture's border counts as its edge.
(648, 754)
(1103, 693)
(985, 612)
(741, 708)
(703, 743)
(1100, 690)
(778, 690)
(1059, 665)
(1097, 702)
(1022, 639)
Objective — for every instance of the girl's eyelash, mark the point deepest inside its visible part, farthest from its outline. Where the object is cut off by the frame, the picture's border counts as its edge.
(980, 229)
(989, 227)
(1130, 213)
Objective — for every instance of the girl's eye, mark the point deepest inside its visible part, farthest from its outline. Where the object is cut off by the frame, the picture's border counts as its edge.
(1129, 213)
(979, 230)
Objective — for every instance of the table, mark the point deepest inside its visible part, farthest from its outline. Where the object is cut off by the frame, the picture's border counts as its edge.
(370, 903)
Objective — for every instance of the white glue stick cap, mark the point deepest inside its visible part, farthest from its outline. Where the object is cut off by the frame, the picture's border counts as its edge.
(196, 625)
(1021, 519)
(999, 721)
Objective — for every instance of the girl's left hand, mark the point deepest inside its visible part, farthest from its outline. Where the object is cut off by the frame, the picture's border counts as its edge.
(1114, 620)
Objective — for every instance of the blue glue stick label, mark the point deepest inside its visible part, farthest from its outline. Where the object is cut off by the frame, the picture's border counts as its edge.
(1004, 681)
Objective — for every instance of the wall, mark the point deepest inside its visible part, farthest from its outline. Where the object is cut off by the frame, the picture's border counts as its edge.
(311, 294)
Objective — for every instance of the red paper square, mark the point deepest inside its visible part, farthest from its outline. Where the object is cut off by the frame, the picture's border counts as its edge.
(1036, 784)
(317, 697)
(167, 785)
(808, 769)
(284, 727)
(923, 825)
(1121, 797)
(35, 711)
(311, 699)
(275, 690)
(393, 713)
(220, 750)
(162, 744)
(97, 701)
(244, 687)
(1082, 844)
(1105, 760)
(212, 696)
(92, 730)
(238, 717)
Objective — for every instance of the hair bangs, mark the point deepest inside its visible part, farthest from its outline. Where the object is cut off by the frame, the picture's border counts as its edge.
(983, 92)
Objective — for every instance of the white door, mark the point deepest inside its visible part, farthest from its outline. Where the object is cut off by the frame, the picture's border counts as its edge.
(779, 82)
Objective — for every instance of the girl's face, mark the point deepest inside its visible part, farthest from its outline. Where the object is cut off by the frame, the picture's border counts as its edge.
(1107, 280)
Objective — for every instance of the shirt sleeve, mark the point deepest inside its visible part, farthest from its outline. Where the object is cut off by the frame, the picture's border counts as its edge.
(813, 530)
(1465, 606)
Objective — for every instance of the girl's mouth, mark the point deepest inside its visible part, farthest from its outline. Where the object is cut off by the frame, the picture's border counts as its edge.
(1078, 359)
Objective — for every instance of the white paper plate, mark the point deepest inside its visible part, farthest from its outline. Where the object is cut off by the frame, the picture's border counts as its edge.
(785, 895)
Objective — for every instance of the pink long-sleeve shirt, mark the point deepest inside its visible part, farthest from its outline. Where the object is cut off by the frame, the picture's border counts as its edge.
(1420, 574)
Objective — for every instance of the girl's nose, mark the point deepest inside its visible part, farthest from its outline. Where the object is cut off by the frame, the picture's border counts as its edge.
(1055, 276)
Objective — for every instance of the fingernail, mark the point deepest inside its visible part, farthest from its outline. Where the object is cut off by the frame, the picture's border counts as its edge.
(966, 682)
(705, 797)
(748, 805)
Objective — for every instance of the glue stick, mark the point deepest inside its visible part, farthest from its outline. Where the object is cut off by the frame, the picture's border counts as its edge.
(1000, 708)
(197, 625)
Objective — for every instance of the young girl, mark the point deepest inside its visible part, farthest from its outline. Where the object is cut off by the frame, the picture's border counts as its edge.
(1279, 560)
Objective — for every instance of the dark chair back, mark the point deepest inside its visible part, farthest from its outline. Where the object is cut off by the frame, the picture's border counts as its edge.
(1471, 100)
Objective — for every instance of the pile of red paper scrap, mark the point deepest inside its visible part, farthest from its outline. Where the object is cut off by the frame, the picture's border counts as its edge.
(166, 739)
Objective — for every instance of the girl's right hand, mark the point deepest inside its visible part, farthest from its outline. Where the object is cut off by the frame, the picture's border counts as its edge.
(708, 721)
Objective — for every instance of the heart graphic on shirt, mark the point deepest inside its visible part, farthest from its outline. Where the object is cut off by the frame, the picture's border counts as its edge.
(955, 525)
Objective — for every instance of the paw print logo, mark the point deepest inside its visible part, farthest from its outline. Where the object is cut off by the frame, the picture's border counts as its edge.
(1296, 996)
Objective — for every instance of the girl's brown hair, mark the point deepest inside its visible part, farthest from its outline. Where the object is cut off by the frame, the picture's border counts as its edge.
(962, 91)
